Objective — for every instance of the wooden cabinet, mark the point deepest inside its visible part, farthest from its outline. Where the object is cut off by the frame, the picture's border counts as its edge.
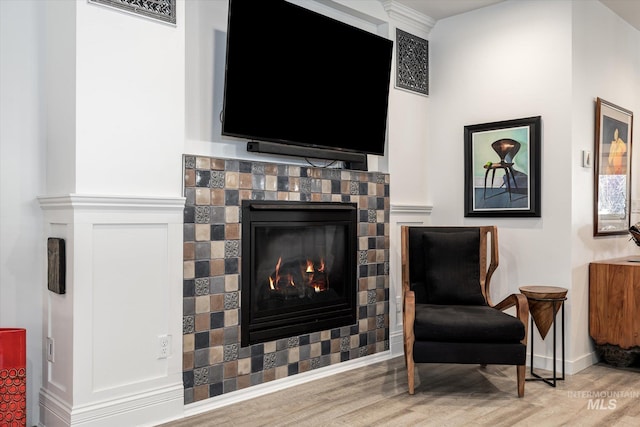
(614, 304)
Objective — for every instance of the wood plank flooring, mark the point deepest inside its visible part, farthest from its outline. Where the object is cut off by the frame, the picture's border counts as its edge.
(446, 395)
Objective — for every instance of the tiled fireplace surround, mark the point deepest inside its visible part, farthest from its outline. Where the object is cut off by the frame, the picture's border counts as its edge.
(213, 360)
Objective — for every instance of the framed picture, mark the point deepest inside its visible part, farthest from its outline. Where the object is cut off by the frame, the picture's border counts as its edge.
(502, 168)
(612, 171)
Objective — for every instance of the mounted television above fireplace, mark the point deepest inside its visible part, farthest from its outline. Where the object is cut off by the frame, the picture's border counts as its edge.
(301, 79)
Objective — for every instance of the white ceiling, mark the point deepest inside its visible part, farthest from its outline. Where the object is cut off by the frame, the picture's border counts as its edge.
(629, 10)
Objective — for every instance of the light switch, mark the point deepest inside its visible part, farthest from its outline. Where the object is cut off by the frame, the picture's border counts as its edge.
(586, 159)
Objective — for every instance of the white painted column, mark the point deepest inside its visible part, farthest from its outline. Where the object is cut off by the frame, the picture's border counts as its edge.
(123, 290)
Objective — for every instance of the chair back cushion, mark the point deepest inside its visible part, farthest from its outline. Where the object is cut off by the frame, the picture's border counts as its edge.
(451, 267)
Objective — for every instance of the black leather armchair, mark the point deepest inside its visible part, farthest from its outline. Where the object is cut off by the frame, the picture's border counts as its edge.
(447, 313)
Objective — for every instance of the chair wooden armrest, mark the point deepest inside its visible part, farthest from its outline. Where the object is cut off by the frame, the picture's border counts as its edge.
(522, 313)
(408, 318)
(522, 310)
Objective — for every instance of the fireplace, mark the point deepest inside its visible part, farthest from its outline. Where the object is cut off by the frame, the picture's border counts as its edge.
(298, 268)
(216, 359)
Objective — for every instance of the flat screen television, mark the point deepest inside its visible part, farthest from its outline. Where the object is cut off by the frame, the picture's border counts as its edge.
(299, 78)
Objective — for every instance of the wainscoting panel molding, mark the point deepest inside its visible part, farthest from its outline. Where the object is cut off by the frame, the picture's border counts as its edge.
(124, 293)
(400, 215)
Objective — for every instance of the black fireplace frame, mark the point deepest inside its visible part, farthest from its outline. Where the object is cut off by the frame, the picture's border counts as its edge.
(343, 313)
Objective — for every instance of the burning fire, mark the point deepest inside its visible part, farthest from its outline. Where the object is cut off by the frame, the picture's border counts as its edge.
(276, 281)
(311, 276)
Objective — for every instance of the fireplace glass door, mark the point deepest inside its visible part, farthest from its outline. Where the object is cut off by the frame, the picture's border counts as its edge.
(299, 272)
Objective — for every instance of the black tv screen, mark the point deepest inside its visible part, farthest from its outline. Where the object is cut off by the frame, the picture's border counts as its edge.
(296, 77)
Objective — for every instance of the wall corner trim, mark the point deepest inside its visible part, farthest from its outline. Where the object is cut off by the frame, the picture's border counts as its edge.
(411, 209)
(91, 202)
(409, 18)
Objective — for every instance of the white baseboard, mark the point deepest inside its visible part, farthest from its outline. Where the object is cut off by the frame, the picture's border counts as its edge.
(571, 367)
(143, 409)
(396, 343)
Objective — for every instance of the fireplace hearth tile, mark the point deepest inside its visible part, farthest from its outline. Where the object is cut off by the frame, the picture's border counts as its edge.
(230, 182)
(189, 162)
(203, 178)
(231, 335)
(203, 196)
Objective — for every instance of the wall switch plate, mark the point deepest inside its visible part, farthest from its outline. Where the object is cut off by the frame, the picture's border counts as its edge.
(586, 159)
(50, 350)
(635, 206)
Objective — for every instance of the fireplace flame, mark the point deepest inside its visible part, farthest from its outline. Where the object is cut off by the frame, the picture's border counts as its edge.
(306, 276)
(277, 281)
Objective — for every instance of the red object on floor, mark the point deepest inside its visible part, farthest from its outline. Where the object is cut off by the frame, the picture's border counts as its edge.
(13, 377)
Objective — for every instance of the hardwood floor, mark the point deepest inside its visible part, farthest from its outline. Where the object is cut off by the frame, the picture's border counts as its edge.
(446, 395)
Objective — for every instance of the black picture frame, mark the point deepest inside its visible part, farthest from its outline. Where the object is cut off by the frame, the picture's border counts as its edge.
(612, 169)
(510, 149)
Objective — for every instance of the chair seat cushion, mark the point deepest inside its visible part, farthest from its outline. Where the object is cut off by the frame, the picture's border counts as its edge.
(465, 323)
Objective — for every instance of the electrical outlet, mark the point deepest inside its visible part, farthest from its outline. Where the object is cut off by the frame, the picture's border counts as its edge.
(164, 346)
(50, 352)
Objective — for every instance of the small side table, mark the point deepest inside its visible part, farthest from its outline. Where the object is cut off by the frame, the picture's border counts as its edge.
(544, 303)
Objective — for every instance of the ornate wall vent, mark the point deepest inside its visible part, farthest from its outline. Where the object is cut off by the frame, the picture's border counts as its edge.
(412, 62)
(163, 10)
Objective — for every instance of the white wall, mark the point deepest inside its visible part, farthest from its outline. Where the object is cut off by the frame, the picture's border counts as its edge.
(513, 60)
(606, 64)
(130, 103)
(22, 164)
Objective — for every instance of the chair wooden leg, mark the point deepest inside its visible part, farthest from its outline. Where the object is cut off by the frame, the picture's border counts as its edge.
(521, 371)
(410, 374)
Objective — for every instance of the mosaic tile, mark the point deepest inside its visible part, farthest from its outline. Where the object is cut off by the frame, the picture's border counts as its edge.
(189, 162)
(362, 257)
(188, 324)
(201, 359)
(231, 301)
(217, 285)
(190, 196)
(203, 162)
(257, 168)
(230, 352)
(231, 248)
(371, 297)
(345, 344)
(202, 215)
(217, 179)
(188, 306)
(214, 189)
(202, 286)
(202, 250)
(231, 335)
(380, 321)
(269, 361)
